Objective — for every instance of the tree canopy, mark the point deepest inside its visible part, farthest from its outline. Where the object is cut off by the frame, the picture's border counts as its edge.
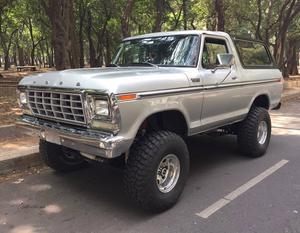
(79, 33)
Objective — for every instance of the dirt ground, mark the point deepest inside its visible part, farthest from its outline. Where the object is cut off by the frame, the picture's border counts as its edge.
(13, 74)
(9, 110)
(294, 77)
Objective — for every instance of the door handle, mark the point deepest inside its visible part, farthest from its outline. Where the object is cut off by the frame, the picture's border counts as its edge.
(234, 78)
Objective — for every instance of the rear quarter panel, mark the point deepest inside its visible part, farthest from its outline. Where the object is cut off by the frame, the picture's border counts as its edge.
(272, 89)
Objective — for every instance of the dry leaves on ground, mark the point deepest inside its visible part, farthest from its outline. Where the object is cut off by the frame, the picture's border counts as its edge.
(9, 110)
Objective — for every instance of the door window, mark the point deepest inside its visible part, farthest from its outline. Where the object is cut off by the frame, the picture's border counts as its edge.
(212, 47)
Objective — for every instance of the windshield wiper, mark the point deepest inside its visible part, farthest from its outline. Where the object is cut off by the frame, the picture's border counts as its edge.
(144, 63)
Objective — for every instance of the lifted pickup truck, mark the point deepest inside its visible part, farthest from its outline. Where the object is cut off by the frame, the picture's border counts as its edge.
(159, 89)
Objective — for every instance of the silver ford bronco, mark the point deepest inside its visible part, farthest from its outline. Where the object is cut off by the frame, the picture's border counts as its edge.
(137, 112)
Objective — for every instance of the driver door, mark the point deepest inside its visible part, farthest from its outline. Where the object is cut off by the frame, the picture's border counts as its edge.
(220, 103)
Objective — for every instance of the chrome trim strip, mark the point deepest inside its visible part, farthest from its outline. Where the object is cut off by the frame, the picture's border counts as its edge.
(169, 91)
(201, 88)
(241, 83)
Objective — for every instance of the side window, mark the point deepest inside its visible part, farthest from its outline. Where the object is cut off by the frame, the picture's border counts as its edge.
(253, 54)
(212, 47)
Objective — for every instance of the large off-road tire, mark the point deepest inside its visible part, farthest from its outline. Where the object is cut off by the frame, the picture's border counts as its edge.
(156, 170)
(60, 158)
(254, 133)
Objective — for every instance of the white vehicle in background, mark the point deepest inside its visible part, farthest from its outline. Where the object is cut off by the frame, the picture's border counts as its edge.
(159, 89)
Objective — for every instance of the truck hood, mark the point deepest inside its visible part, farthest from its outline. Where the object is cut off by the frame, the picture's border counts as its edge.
(112, 79)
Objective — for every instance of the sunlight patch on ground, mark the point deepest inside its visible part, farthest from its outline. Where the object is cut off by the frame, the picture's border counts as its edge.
(18, 181)
(24, 229)
(52, 209)
(12, 146)
(281, 120)
(16, 202)
(40, 187)
(16, 142)
(285, 132)
(285, 124)
(3, 220)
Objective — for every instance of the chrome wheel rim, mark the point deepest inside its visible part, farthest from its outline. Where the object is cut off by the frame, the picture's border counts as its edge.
(262, 132)
(168, 172)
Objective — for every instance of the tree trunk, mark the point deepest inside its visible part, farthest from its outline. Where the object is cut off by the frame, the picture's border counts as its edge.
(125, 19)
(220, 15)
(21, 55)
(82, 12)
(52, 61)
(102, 48)
(289, 10)
(268, 21)
(81, 47)
(158, 16)
(93, 61)
(6, 61)
(292, 58)
(107, 55)
(27, 59)
(42, 56)
(258, 26)
(32, 55)
(6, 49)
(50, 55)
(58, 14)
(279, 48)
(64, 39)
(73, 40)
(185, 13)
(15, 61)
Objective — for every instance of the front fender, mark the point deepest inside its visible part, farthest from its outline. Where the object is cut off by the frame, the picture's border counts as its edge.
(134, 113)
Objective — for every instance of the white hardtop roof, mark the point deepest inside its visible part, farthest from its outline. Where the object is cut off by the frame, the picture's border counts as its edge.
(173, 33)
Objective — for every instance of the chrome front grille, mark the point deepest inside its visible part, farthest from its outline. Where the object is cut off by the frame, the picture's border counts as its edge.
(57, 105)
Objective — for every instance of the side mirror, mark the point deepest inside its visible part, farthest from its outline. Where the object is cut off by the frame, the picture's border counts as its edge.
(225, 59)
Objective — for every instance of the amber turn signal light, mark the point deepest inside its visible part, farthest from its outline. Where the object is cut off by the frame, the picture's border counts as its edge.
(127, 97)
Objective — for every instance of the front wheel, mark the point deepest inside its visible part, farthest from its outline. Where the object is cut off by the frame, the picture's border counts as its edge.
(254, 133)
(156, 170)
(61, 158)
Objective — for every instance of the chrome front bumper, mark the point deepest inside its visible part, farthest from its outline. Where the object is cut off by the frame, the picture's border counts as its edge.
(92, 144)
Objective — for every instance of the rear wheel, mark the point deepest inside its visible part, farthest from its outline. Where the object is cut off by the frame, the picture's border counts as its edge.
(254, 133)
(60, 158)
(156, 170)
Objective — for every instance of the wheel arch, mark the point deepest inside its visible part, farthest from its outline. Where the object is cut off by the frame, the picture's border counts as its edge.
(261, 100)
(172, 120)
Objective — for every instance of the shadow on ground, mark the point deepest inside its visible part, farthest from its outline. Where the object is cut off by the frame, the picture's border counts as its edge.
(94, 197)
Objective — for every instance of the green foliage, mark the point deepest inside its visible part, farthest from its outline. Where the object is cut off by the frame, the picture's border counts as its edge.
(294, 31)
(24, 23)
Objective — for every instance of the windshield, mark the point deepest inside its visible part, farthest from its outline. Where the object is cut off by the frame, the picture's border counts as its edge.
(178, 50)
